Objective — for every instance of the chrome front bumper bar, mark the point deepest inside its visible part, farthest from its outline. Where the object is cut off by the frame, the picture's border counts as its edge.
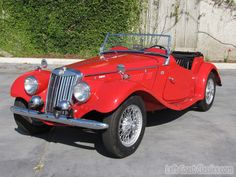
(79, 122)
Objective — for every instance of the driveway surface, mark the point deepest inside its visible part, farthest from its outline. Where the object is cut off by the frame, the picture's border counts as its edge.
(183, 138)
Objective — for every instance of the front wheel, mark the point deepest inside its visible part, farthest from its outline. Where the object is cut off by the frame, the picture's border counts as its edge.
(126, 128)
(210, 91)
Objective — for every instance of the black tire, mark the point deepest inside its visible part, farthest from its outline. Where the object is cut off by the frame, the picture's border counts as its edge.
(204, 105)
(111, 139)
(26, 124)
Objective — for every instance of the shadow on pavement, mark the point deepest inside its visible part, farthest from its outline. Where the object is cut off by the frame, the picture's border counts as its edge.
(72, 136)
(164, 116)
(90, 140)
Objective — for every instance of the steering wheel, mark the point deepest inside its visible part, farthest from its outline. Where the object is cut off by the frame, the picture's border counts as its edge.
(158, 46)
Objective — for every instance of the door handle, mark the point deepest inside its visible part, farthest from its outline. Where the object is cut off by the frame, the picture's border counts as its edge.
(172, 80)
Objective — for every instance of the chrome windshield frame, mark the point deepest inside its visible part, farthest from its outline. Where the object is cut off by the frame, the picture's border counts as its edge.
(168, 48)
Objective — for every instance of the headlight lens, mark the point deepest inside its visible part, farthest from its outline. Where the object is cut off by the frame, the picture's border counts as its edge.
(31, 85)
(82, 92)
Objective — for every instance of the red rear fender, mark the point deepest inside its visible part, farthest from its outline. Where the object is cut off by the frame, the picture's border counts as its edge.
(202, 76)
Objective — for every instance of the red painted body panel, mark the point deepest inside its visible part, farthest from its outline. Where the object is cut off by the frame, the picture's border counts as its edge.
(201, 78)
(179, 84)
(109, 63)
(160, 86)
(17, 88)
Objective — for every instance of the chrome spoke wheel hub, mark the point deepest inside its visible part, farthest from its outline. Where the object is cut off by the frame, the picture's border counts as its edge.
(210, 91)
(130, 125)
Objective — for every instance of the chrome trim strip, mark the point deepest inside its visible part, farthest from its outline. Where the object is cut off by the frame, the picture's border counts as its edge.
(49, 83)
(101, 73)
(147, 67)
(112, 72)
(78, 122)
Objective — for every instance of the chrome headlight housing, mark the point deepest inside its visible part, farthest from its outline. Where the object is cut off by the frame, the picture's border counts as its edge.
(31, 85)
(82, 92)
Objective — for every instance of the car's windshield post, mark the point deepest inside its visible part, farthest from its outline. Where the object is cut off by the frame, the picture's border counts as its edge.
(167, 61)
(104, 43)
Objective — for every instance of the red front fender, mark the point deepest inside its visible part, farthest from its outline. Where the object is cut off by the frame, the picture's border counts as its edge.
(108, 95)
(112, 94)
(17, 88)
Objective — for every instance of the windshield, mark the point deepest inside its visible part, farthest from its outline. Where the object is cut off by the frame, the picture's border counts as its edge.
(153, 44)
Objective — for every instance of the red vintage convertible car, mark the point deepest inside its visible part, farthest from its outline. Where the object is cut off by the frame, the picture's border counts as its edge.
(112, 92)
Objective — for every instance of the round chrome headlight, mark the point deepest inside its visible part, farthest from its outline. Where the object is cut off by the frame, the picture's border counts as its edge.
(82, 92)
(31, 85)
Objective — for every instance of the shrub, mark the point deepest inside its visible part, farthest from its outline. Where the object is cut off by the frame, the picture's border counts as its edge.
(29, 27)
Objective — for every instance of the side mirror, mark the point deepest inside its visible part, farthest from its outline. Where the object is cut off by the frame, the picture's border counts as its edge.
(44, 63)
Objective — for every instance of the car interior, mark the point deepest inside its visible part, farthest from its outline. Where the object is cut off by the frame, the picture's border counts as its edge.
(185, 59)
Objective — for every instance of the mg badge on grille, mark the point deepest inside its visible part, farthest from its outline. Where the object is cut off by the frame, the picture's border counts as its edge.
(62, 71)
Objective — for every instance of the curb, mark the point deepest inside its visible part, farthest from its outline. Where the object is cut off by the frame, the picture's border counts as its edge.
(63, 61)
(51, 61)
(225, 65)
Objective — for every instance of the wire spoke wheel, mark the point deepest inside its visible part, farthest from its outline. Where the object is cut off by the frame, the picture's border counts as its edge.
(210, 91)
(126, 128)
(130, 125)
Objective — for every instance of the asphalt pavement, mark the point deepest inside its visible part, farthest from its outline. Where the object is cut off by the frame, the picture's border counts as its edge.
(172, 138)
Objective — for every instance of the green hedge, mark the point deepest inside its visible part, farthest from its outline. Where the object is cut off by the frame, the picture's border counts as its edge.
(30, 27)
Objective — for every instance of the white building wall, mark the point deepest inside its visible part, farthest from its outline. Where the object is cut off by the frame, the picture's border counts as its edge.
(208, 26)
(217, 31)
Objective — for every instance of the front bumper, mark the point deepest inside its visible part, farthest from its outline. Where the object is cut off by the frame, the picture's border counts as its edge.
(79, 122)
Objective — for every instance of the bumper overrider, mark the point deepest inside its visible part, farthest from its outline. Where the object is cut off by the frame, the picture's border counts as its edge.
(62, 119)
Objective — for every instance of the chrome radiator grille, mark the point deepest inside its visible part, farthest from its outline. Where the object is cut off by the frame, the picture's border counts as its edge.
(60, 88)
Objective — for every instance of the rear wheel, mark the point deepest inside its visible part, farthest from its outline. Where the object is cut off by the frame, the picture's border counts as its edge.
(209, 97)
(27, 124)
(126, 128)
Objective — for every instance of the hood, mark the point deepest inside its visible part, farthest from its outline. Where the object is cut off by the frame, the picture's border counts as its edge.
(108, 63)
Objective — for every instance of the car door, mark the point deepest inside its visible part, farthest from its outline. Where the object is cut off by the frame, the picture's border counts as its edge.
(179, 83)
